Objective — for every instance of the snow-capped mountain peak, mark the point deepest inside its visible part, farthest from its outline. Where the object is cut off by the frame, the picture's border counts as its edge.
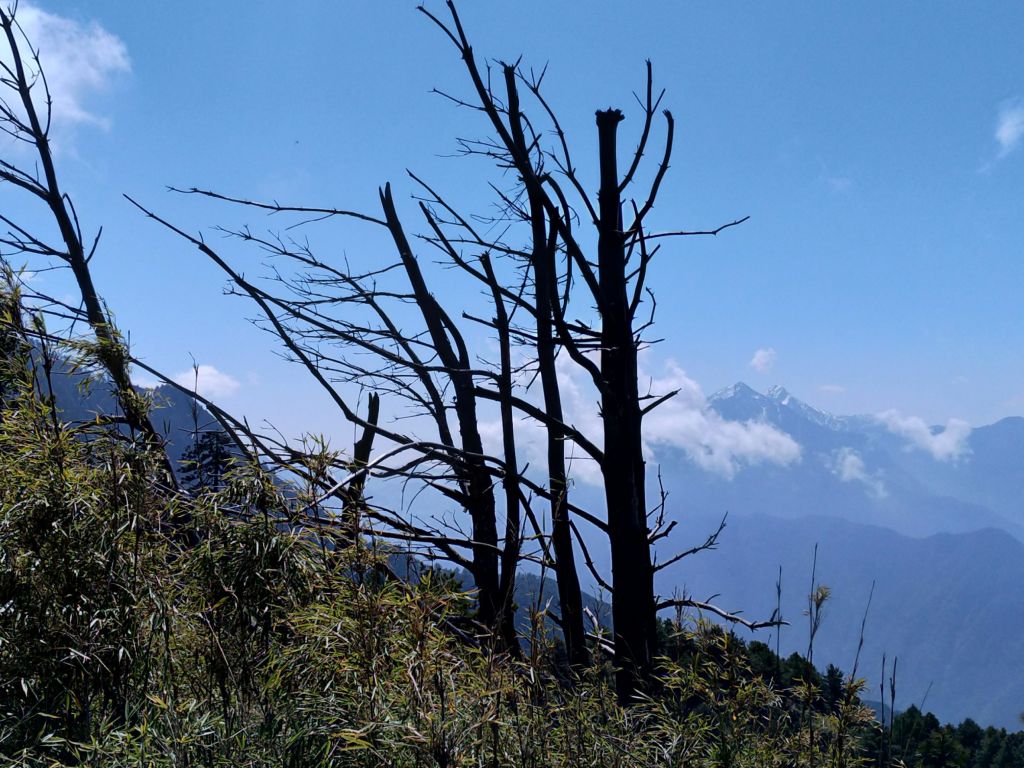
(742, 402)
(734, 391)
(809, 412)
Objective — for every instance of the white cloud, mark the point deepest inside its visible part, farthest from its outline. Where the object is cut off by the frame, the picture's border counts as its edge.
(78, 58)
(686, 422)
(848, 465)
(763, 359)
(580, 410)
(832, 389)
(145, 381)
(1009, 126)
(208, 381)
(948, 444)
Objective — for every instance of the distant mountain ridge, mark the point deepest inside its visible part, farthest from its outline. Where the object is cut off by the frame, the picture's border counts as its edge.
(939, 533)
(857, 468)
(741, 402)
(949, 606)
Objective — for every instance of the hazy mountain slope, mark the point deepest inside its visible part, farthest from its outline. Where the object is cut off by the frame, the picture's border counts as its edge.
(949, 606)
(939, 534)
(81, 398)
(813, 488)
(991, 473)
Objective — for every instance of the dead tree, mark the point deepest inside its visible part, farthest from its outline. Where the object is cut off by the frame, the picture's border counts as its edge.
(25, 115)
(614, 281)
(341, 325)
(538, 260)
(625, 477)
(567, 278)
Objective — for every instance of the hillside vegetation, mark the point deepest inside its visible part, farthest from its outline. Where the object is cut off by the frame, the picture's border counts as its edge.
(144, 626)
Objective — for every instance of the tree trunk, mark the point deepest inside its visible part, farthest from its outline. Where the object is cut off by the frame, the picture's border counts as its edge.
(568, 580)
(471, 468)
(545, 277)
(633, 604)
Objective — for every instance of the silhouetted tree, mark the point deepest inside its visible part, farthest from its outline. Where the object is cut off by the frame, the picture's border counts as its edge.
(559, 258)
(25, 116)
(206, 462)
(612, 277)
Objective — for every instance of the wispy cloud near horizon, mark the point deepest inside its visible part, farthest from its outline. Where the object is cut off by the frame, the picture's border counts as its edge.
(947, 444)
(849, 467)
(839, 185)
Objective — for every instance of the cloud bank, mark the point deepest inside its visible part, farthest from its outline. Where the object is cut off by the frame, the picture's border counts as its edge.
(687, 423)
(948, 444)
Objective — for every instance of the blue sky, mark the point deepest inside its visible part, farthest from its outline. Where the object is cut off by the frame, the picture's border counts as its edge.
(877, 147)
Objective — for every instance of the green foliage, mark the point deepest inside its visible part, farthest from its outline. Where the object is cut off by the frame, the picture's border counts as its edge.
(918, 739)
(141, 626)
(77, 556)
(248, 640)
